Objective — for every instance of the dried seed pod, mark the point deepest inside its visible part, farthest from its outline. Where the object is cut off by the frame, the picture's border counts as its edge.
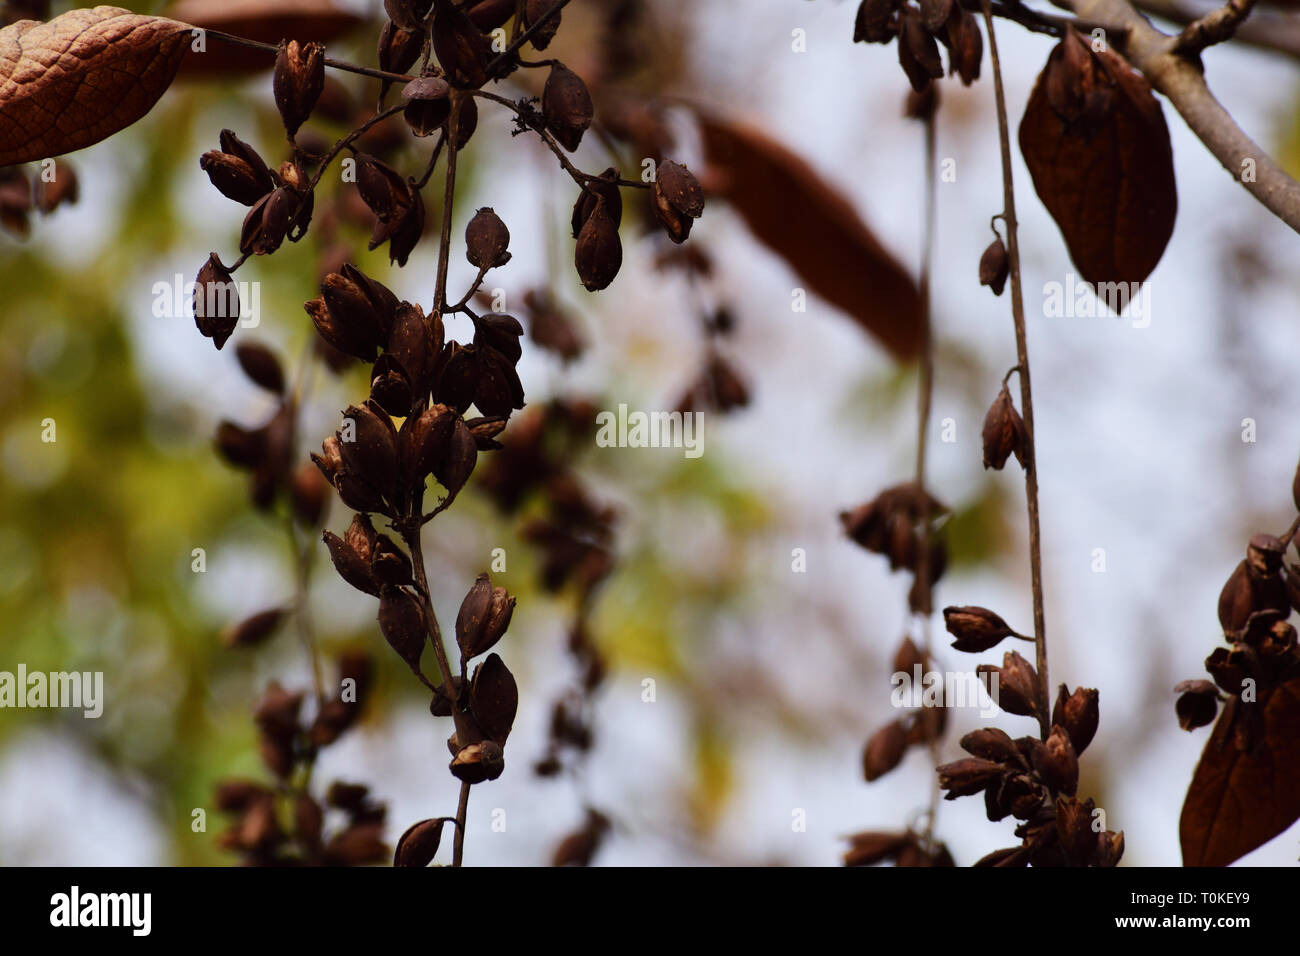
(935, 13)
(414, 344)
(965, 46)
(552, 328)
(1198, 703)
(60, 187)
(1236, 600)
(261, 366)
(408, 14)
(993, 744)
(678, 199)
(216, 301)
(598, 254)
(461, 49)
(402, 622)
(424, 440)
(359, 845)
(1110, 848)
(566, 106)
(297, 82)
(918, 53)
(976, 629)
(534, 12)
(351, 566)
(1017, 688)
(1004, 432)
(478, 762)
(390, 563)
(398, 51)
(441, 705)
(487, 240)
(15, 201)
(1074, 827)
(968, 776)
(884, 750)
(483, 618)
(493, 694)
(875, 21)
(995, 266)
(253, 630)
(277, 712)
(234, 178)
(1057, 763)
(1264, 555)
(462, 454)
(487, 15)
(419, 844)
(307, 494)
(369, 447)
(499, 332)
(428, 104)
(604, 187)
(874, 847)
(1078, 713)
(268, 222)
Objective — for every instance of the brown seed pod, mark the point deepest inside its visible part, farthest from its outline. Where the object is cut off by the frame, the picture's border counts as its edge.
(976, 629)
(918, 53)
(1017, 688)
(935, 13)
(1057, 763)
(598, 254)
(493, 694)
(461, 49)
(995, 266)
(428, 104)
(216, 301)
(566, 106)
(1198, 703)
(1078, 713)
(990, 743)
(402, 622)
(968, 776)
(602, 188)
(419, 844)
(398, 51)
(261, 366)
(678, 199)
(487, 240)
(1004, 432)
(884, 750)
(875, 22)
(297, 82)
(534, 12)
(253, 630)
(483, 618)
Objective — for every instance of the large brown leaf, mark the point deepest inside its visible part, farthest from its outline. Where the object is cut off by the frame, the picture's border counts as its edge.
(1097, 147)
(1237, 800)
(269, 22)
(813, 227)
(81, 77)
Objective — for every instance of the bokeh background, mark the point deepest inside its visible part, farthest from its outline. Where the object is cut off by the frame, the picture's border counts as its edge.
(768, 681)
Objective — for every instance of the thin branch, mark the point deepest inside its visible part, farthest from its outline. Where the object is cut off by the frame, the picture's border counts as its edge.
(1180, 79)
(448, 201)
(1267, 30)
(1215, 27)
(334, 64)
(925, 397)
(1026, 394)
(462, 811)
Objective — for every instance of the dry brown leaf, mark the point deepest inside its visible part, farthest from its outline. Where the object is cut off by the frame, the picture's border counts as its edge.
(1105, 169)
(81, 77)
(813, 227)
(1238, 801)
(319, 21)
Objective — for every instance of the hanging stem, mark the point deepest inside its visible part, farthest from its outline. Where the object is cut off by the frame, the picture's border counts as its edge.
(1026, 394)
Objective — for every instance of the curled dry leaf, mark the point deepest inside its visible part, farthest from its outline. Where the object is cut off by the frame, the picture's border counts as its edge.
(1239, 800)
(814, 228)
(81, 77)
(1096, 144)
